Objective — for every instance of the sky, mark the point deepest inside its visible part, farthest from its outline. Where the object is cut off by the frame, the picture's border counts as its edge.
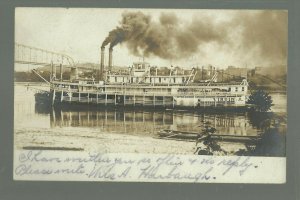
(186, 38)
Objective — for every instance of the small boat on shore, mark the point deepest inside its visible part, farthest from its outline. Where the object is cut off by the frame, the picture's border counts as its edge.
(184, 135)
(172, 134)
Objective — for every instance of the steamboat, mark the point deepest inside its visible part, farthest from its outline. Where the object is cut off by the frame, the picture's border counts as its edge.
(137, 85)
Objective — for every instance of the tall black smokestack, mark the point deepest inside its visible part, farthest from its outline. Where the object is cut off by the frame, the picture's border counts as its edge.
(110, 58)
(102, 64)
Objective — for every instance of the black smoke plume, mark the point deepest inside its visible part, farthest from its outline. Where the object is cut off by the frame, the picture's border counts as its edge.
(263, 33)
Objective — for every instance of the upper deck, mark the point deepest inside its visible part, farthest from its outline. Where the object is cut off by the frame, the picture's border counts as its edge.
(140, 80)
(225, 89)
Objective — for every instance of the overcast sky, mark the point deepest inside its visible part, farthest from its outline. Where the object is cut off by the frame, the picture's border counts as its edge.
(217, 37)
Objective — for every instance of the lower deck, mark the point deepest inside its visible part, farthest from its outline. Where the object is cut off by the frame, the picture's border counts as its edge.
(152, 100)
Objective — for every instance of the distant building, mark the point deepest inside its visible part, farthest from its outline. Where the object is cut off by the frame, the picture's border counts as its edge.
(205, 73)
(236, 71)
(259, 70)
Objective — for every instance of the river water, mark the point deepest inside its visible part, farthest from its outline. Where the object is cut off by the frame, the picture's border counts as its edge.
(135, 125)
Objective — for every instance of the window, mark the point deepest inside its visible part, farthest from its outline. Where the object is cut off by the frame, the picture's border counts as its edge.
(159, 79)
(243, 89)
(236, 89)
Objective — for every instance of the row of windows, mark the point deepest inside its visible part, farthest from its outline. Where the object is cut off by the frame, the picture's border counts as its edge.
(151, 79)
(228, 99)
(225, 99)
(237, 89)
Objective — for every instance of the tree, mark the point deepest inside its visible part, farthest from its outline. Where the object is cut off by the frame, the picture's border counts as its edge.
(209, 145)
(261, 100)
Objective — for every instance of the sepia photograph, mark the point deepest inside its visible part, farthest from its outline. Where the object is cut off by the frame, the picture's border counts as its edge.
(169, 84)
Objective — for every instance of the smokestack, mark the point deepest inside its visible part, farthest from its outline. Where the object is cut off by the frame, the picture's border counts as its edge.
(100, 77)
(110, 58)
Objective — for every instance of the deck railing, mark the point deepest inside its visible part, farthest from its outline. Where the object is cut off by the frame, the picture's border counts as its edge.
(158, 93)
(132, 85)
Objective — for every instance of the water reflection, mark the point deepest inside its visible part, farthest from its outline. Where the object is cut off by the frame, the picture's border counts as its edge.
(269, 127)
(260, 120)
(143, 121)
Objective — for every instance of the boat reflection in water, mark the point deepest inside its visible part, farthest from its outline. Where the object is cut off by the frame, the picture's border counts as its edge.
(143, 122)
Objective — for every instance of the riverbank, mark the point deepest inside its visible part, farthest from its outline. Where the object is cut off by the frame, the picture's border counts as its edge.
(96, 141)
